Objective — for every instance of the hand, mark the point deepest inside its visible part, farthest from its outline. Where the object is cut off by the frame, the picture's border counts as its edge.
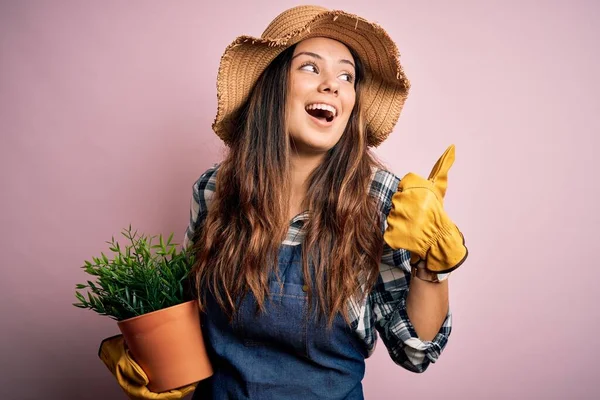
(130, 376)
(419, 224)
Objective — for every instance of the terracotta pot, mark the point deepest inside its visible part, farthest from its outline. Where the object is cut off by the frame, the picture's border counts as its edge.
(168, 345)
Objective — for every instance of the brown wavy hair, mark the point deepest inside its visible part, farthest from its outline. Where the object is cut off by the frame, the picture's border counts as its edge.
(237, 245)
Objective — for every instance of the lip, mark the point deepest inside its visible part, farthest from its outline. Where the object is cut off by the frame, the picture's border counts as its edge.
(320, 123)
(337, 109)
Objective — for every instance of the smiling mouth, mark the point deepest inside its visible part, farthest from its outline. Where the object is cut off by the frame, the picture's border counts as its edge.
(322, 115)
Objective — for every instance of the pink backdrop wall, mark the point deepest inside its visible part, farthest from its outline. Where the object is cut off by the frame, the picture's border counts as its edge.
(105, 113)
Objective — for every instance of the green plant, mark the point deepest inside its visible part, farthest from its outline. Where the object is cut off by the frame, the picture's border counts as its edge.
(141, 278)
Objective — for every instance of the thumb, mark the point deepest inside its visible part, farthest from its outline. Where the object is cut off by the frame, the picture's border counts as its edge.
(439, 172)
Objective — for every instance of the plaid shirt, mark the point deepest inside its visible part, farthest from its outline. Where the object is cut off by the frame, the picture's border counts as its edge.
(384, 309)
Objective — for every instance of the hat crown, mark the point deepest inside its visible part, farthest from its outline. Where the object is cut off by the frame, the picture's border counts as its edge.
(291, 20)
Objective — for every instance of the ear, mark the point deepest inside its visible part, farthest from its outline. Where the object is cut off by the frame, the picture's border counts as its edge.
(439, 172)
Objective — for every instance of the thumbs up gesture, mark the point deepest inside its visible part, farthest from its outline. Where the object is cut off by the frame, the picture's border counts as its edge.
(419, 224)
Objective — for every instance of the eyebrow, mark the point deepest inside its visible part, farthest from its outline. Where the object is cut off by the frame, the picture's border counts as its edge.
(318, 57)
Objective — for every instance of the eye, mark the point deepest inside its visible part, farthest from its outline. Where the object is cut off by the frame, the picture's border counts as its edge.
(309, 66)
(347, 76)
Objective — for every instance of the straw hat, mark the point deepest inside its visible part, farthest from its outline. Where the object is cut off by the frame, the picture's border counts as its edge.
(385, 85)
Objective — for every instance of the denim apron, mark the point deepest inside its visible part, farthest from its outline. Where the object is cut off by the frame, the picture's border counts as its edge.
(282, 353)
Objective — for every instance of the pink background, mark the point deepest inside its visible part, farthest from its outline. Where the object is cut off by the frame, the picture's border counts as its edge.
(105, 113)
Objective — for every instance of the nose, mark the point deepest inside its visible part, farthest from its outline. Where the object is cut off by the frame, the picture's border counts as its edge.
(329, 85)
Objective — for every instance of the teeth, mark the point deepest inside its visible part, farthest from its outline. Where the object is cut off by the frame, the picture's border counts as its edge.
(320, 106)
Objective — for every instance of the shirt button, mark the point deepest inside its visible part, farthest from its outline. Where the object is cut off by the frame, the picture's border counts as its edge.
(305, 288)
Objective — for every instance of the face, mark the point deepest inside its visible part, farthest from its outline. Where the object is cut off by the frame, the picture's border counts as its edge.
(320, 95)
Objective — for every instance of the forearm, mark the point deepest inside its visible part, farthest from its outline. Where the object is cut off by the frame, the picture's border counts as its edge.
(427, 306)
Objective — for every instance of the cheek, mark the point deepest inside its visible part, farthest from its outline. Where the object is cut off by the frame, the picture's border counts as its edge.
(352, 99)
(292, 97)
(297, 87)
(348, 103)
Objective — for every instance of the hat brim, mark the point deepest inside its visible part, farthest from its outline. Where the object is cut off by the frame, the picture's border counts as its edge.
(385, 84)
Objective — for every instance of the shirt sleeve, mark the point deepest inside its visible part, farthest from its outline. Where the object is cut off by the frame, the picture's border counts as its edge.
(388, 297)
(202, 192)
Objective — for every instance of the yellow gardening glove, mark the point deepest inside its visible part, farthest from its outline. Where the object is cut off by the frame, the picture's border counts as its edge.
(130, 376)
(419, 224)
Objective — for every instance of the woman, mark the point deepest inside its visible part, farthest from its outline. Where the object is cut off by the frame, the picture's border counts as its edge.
(294, 274)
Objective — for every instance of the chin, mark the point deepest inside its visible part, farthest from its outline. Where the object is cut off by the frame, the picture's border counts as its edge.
(315, 144)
